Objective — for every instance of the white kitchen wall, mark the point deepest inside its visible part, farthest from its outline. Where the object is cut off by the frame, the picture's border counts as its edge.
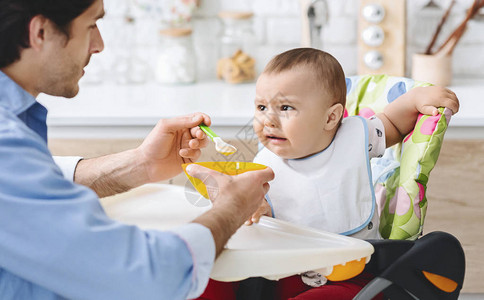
(278, 26)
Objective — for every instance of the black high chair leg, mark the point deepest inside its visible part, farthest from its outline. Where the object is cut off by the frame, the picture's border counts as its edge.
(429, 268)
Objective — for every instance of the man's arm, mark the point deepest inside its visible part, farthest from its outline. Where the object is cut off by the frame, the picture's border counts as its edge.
(56, 237)
(112, 174)
(170, 144)
(400, 116)
(66, 244)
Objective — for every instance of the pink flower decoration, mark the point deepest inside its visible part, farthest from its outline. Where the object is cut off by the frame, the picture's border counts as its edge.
(429, 125)
(345, 114)
(448, 115)
(366, 112)
(403, 202)
(393, 204)
(381, 197)
(421, 190)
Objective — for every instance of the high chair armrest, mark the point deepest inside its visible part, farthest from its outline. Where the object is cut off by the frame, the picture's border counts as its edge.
(430, 268)
(386, 253)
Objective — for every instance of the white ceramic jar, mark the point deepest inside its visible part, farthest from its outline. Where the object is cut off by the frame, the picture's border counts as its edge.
(176, 61)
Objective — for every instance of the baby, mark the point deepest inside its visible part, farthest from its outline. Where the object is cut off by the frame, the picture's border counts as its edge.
(320, 161)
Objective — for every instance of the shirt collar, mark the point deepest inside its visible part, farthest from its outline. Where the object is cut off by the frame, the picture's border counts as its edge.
(13, 97)
(16, 100)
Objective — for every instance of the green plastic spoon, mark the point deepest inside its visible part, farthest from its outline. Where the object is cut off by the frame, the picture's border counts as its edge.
(220, 145)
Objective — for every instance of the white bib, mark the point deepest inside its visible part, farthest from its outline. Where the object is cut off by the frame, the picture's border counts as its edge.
(331, 190)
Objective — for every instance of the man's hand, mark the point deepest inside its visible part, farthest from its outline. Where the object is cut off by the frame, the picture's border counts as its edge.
(171, 143)
(235, 199)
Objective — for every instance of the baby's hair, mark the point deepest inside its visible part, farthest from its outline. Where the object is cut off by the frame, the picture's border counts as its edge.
(325, 67)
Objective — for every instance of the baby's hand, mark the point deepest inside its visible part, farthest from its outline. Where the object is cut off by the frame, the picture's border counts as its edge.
(428, 99)
(263, 210)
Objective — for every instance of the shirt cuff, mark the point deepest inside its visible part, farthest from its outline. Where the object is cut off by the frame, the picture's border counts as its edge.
(201, 245)
(68, 165)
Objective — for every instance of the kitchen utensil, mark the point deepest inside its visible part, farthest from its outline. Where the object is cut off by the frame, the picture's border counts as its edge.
(220, 145)
(314, 15)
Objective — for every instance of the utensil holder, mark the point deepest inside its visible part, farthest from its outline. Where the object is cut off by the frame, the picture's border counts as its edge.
(435, 69)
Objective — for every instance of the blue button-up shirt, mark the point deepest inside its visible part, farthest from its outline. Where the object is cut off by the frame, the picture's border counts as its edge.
(56, 242)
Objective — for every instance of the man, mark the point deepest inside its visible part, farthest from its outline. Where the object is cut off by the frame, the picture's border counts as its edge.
(55, 240)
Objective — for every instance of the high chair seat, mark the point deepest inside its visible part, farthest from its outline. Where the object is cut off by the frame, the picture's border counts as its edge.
(401, 175)
(407, 266)
(273, 249)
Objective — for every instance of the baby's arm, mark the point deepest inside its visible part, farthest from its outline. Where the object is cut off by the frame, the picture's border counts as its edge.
(263, 210)
(400, 116)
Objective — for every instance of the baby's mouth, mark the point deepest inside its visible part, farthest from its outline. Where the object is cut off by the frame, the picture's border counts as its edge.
(275, 138)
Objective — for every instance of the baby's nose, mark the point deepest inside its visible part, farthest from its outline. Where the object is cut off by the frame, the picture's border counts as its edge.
(269, 122)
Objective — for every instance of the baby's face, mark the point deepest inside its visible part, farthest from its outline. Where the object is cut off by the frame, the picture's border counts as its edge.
(290, 113)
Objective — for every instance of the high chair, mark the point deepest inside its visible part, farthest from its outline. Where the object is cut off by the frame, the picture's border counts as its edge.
(430, 267)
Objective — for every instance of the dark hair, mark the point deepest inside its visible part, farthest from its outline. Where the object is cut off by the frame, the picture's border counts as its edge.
(15, 17)
(325, 67)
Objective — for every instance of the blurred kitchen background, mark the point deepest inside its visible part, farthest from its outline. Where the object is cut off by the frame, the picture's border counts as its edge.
(277, 25)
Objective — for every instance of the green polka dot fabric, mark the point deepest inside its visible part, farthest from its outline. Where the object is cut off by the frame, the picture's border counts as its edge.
(401, 175)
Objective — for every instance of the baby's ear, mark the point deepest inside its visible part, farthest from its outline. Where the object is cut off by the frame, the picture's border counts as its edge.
(334, 114)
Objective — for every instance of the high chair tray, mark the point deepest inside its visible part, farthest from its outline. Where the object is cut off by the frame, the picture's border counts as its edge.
(272, 248)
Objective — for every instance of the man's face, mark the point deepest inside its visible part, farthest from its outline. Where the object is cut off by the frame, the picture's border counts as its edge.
(65, 60)
(290, 109)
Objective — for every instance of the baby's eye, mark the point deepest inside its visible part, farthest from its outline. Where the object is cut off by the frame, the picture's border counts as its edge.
(261, 107)
(286, 107)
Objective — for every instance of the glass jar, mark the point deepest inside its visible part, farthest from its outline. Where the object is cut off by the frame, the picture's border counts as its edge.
(237, 48)
(176, 61)
(128, 66)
